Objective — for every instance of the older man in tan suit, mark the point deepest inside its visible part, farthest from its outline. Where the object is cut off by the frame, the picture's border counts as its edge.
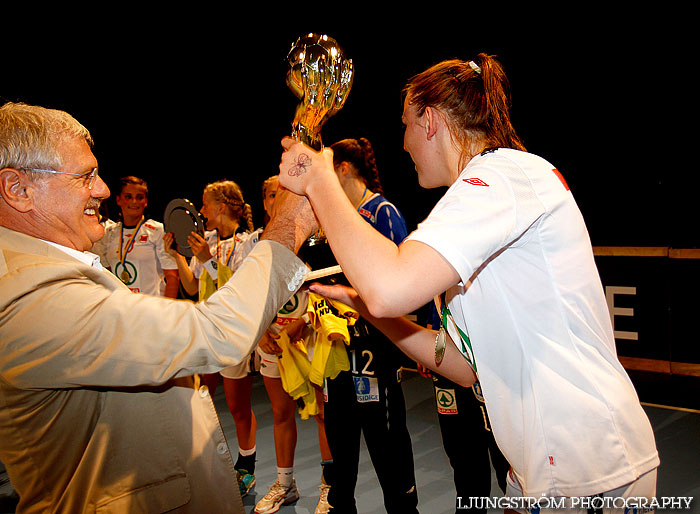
(100, 405)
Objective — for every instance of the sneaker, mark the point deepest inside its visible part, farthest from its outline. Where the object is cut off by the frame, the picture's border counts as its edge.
(278, 496)
(323, 506)
(246, 481)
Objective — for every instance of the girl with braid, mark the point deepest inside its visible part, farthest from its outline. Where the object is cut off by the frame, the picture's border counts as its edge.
(229, 237)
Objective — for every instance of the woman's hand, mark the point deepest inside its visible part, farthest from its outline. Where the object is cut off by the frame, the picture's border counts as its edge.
(168, 242)
(301, 165)
(344, 294)
(268, 345)
(200, 248)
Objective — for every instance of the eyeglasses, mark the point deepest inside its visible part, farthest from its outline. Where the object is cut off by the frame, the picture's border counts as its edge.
(88, 177)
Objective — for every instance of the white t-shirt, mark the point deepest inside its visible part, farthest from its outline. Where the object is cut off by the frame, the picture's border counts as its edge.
(142, 270)
(231, 251)
(562, 408)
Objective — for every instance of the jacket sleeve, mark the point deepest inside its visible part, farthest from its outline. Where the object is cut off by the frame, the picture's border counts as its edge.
(64, 324)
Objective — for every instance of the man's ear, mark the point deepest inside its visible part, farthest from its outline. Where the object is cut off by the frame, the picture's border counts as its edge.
(15, 189)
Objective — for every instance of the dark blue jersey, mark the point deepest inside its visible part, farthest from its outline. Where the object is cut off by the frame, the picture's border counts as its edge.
(385, 217)
(369, 351)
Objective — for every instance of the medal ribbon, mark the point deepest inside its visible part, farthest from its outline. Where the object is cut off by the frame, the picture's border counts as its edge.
(466, 343)
(130, 243)
(362, 200)
(230, 253)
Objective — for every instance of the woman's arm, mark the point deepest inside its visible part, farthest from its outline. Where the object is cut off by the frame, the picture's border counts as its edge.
(189, 282)
(171, 283)
(391, 280)
(412, 339)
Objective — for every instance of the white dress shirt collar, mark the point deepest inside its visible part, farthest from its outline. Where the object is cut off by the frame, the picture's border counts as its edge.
(85, 257)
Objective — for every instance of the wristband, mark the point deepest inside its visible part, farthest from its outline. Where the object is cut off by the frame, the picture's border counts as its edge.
(211, 266)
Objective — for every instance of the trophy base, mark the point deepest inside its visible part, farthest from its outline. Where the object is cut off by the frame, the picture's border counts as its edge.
(317, 254)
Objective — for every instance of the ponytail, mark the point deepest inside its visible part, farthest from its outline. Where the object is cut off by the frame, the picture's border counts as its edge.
(360, 154)
(475, 97)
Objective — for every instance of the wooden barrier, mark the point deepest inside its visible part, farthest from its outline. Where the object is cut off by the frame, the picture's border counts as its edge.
(652, 295)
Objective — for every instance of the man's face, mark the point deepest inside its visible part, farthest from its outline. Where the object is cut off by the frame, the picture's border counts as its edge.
(63, 204)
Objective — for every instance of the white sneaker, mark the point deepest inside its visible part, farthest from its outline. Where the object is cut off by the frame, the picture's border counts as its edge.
(323, 506)
(278, 496)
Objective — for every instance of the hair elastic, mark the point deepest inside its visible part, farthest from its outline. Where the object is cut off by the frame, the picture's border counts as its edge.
(475, 67)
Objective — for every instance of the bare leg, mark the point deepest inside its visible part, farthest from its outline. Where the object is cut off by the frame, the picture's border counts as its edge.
(285, 424)
(238, 392)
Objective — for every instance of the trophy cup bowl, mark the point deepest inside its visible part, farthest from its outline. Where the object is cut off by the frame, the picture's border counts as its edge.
(321, 77)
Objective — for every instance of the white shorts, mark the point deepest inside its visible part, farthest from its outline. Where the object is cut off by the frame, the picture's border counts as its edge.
(609, 502)
(268, 364)
(258, 361)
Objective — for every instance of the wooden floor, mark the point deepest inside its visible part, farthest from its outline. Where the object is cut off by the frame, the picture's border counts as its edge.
(677, 430)
(673, 407)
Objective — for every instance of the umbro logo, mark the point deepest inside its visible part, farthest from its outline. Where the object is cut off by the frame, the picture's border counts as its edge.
(475, 182)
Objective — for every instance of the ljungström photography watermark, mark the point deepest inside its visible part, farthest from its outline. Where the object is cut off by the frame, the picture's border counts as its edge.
(631, 505)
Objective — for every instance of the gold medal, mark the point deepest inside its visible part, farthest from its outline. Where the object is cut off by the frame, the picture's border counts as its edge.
(440, 345)
(125, 276)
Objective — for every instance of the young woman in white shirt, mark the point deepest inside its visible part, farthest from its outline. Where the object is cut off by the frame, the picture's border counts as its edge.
(229, 237)
(506, 251)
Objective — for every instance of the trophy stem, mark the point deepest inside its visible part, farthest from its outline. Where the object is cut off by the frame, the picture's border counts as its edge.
(307, 136)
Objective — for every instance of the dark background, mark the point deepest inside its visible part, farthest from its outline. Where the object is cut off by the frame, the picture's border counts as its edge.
(182, 99)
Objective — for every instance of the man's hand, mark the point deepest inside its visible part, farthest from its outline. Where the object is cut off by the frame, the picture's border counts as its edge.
(292, 220)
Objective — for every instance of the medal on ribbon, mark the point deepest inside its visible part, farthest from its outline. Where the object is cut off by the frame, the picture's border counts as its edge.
(441, 337)
(440, 345)
(124, 250)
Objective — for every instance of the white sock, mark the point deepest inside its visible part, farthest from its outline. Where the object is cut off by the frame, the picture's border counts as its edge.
(246, 453)
(285, 476)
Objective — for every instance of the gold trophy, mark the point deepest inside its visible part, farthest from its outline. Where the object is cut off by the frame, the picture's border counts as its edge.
(321, 77)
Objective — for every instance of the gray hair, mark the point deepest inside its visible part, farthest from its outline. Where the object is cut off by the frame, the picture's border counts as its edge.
(31, 136)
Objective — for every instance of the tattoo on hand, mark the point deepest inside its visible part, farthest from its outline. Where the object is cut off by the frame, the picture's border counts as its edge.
(303, 161)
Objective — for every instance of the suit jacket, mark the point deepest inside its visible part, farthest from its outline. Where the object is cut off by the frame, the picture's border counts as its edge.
(100, 405)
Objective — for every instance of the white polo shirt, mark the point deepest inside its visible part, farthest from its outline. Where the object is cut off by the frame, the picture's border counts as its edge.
(145, 257)
(230, 252)
(562, 408)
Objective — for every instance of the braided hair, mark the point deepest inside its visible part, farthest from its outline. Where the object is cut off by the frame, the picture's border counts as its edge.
(230, 194)
(360, 154)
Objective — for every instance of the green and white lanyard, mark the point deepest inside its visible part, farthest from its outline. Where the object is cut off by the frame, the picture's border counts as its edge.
(441, 339)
